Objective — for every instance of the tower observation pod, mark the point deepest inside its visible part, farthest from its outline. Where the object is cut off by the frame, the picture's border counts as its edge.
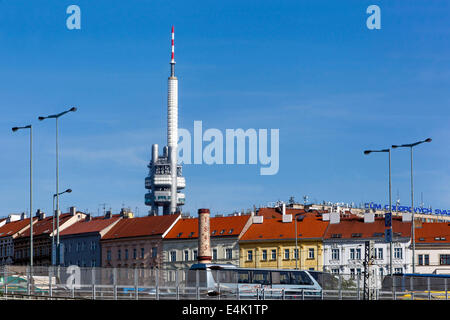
(165, 174)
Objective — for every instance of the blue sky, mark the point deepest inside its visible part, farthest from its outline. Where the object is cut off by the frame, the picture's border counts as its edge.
(311, 69)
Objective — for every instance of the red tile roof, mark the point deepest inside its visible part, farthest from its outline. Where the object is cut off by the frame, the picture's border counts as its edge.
(310, 227)
(96, 224)
(11, 228)
(433, 232)
(354, 227)
(45, 226)
(188, 228)
(269, 213)
(141, 226)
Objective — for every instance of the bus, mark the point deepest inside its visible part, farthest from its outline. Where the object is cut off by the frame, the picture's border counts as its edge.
(230, 280)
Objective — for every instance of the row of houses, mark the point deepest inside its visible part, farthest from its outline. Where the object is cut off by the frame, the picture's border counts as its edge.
(269, 238)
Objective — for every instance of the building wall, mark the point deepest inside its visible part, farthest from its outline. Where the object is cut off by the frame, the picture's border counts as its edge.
(346, 265)
(220, 245)
(41, 250)
(6, 250)
(83, 250)
(281, 261)
(149, 260)
(434, 253)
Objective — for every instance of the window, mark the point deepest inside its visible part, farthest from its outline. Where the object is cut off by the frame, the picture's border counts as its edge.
(398, 270)
(134, 253)
(311, 253)
(381, 272)
(154, 252)
(335, 254)
(214, 254)
(142, 253)
(229, 253)
(295, 253)
(358, 253)
(352, 254)
(335, 271)
(427, 259)
(380, 253)
(243, 276)
(78, 247)
(261, 277)
(108, 255)
(195, 254)
(249, 255)
(126, 254)
(119, 254)
(444, 259)
(286, 254)
(186, 255)
(398, 253)
(173, 256)
(274, 254)
(264, 255)
(280, 277)
(420, 263)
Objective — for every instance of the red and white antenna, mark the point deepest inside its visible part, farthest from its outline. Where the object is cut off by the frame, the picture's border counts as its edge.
(173, 45)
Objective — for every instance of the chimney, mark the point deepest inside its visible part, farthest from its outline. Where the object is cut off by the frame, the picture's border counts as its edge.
(335, 217)
(258, 219)
(287, 217)
(40, 215)
(204, 243)
(23, 216)
(369, 217)
(325, 216)
(73, 211)
(283, 209)
(88, 217)
(406, 216)
(126, 213)
(108, 215)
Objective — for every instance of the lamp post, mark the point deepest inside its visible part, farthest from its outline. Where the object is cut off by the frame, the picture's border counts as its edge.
(31, 188)
(390, 204)
(56, 117)
(411, 146)
(296, 246)
(56, 213)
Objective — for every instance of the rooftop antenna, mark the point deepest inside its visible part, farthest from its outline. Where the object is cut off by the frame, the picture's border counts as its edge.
(421, 200)
(104, 207)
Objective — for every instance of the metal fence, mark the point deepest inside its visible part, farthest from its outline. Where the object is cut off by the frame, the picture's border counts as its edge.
(155, 284)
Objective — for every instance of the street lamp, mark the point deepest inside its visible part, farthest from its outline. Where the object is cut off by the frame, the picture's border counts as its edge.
(296, 246)
(31, 188)
(411, 146)
(390, 202)
(56, 116)
(53, 220)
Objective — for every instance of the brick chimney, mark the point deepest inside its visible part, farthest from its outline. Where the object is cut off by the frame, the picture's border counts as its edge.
(204, 243)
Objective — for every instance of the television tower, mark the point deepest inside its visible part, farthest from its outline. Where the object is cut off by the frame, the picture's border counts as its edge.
(165, 176)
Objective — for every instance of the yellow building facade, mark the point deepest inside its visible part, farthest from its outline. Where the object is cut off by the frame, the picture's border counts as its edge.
(270, 242)
(282, 254)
